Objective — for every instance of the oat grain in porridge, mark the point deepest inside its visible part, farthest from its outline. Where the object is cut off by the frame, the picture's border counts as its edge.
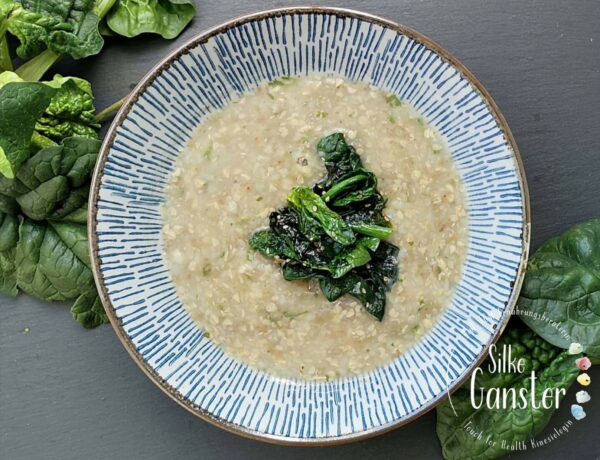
(240, 166)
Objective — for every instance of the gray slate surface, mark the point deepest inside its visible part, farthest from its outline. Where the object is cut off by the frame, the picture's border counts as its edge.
(67, 393)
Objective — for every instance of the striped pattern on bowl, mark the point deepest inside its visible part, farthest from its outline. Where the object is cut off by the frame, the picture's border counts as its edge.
(201, 78)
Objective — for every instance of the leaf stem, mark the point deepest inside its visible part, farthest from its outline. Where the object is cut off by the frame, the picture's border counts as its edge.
(110, 110)
(102, 7)
(34, 69)
(340, 186)
(5, 60)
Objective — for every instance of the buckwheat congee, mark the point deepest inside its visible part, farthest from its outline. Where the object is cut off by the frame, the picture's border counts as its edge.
(240, 165)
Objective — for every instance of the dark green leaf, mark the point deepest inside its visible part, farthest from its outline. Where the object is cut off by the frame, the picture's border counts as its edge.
(8, 204)
(21, 105)
(561, 290)
(340, 159)
(165, 17)
(64, 26)
(296, 271)
(354, 187)
(377, 231)
(9, 236)
(53, 261)
(351, 258)
(309, 204)
(71, 111)
(314, 237)
(88, 310)
(54, 183)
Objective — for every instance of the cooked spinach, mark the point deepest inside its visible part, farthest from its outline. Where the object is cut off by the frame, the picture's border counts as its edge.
(315, 215)
(561, 290)
(334, 232)
(554, 369)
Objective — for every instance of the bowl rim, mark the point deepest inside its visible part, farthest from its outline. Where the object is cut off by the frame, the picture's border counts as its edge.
(165, 63)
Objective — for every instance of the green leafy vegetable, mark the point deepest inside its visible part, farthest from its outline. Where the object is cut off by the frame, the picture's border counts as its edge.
(53, 261)
(71, 110)
(48, 140)
(9, 235)
(561, 290)
(63, 26)
(164, 17)
(6, 6)
(88, 310)
(505, 427)
(334, 231)
(393, 100)
(282, 81)
(54, 183)
(313, 210)
(21, 105)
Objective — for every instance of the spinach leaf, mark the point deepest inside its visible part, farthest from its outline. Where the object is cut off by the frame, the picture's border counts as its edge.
(71, 111)
(54, 183)
(21, 105)
(88, 310)
(52, 260)
(340, 159)
(373, 230)
(9, 235)
(350, 189)
(63, 26)
(554, 370)
(368, 283)
(333, 232)
(164, 17)
(561, 290)
(6, 7)
(312, 208)
(37, 115)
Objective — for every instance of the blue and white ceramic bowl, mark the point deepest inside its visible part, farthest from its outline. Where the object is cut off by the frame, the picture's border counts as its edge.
(203, 76)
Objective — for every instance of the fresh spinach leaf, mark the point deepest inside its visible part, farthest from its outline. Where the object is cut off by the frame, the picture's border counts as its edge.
(21, 105)
(9, 236)
(6, 7)
(164, 17)
(52, 260)
(63, 26)
(561, 290)
(54, 183)
(554, 370)
(88, 310)
(71, 111)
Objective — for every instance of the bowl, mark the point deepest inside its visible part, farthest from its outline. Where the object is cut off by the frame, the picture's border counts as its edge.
(201, 77)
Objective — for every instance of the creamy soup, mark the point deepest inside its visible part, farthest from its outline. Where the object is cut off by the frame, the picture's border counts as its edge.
(240, 165)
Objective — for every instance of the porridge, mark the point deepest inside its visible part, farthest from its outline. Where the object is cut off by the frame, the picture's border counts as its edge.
(240, 166)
